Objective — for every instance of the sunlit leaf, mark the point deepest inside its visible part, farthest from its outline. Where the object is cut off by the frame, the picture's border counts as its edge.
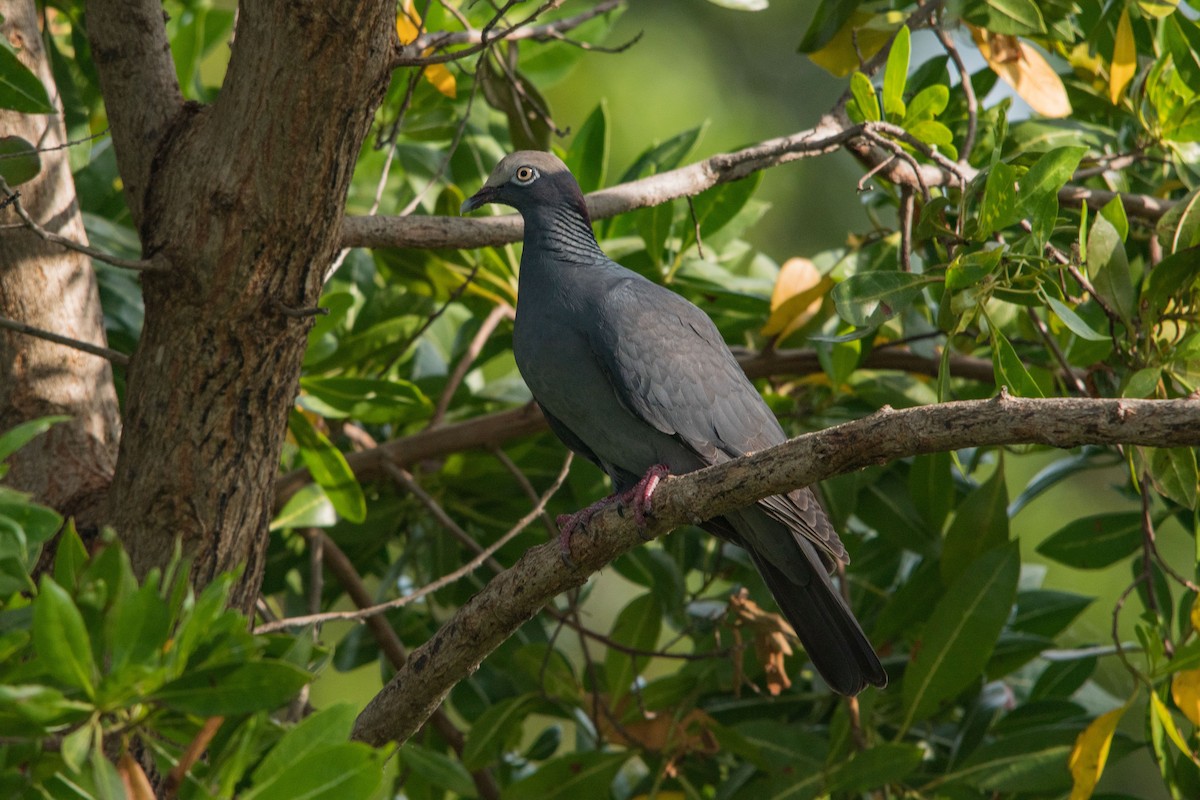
(1091, 752)
(408, 28)
(1108, 267)
(796, 298)
(895, 75)
(864, 105)
(1124, 58)
(1026, 70)
(1074, 322)
(1185, 691)
(328, 468)
(61, 639)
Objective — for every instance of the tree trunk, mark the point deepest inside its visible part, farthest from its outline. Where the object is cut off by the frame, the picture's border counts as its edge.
(47, 286)
(242, 200)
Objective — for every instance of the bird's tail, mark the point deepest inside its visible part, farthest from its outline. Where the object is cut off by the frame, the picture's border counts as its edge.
(832, 637)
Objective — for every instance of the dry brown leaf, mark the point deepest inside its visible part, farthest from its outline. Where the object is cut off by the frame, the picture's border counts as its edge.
(771, 633)
(1024, 69)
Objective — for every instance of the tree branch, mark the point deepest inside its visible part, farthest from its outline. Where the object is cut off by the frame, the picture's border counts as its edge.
(115, 356)
(832, 133)
(137, 79)
(492, 430)
(516, 595)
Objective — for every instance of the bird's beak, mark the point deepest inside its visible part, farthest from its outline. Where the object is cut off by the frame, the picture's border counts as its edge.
(482, 197)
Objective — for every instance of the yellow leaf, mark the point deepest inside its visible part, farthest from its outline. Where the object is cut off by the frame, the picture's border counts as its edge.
(1185, 689)
(1158, 8)
(1091, 751)
(1024, 69)
(797, 296)
(408, 28)
(839, 56)
(1124, 60)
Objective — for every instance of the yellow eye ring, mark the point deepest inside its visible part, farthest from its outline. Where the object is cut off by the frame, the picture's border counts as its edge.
(525, 175)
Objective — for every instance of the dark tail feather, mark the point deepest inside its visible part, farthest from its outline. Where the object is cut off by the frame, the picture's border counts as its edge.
(831, 636)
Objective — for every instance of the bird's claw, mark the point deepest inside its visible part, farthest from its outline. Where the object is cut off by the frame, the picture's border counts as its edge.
(638, 498)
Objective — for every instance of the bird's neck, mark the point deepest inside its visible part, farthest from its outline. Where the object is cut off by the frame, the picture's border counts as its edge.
(563, 234)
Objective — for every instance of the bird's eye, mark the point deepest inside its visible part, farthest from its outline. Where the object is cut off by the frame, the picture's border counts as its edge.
(525, 175)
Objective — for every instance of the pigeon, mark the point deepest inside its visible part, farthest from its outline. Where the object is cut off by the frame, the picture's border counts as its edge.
(638, 380)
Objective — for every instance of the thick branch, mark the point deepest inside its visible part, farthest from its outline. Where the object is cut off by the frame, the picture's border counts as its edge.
(137, 79)
(514, 596)
(495, 429)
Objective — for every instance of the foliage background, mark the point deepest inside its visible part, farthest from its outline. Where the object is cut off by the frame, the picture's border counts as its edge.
(739, 72)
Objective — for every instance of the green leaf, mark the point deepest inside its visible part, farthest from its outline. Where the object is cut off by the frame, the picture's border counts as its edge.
(1095, 542)
(1143, 383)
(27, 710)
(1009, 370)
(1173, 471)
(20, 89)
(980, 524)
(862, 92)
(1108, 267)
(928, 103)
(61, 639)
(895, 76)
(588, 157)
(828, 19)
(999, 207)
(381, 402)
(138, 627)
(716, 207)
(1073, 321)
(14, 439)
(876, 767)
(1063, 678)
(38, 522)
(637, 626)
(1179, 228)
(871, 298)
(327, 727)
(958, 638)
(931, 485)
(570, 777)
(332, 772)
(307, 508)
(494, 729)
(1114, 212)
(1009, 17)
(1168, 278)
(1034, 761)
(228, 689)
(1048, 174)
(19, 160)
(1047, 612)
(70, 558)
(439, 769)
(329, 468)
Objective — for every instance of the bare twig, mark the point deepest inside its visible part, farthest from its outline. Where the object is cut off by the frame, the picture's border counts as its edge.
(13, 199)
(108, 353)
(486, 328)
(964, 80)
(484, 556)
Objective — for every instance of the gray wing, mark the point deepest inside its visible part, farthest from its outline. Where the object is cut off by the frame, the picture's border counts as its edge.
(669, 366)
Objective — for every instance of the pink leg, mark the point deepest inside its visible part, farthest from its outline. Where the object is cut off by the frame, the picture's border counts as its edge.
(638, 496)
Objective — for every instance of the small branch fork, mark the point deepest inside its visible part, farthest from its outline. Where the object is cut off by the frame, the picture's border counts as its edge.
(518, 593)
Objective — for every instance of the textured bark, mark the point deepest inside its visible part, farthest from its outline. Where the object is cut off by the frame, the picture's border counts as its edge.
(515, 595)
(243, 199)
(49, 287)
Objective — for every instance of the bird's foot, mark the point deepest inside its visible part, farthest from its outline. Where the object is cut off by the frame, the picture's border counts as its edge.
(568, 524)
(640, 495)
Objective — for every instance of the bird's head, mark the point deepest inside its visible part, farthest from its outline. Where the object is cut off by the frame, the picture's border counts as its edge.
(529, 180)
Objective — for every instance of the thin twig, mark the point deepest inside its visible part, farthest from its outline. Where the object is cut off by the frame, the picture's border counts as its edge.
(486, 328)
(907, 209)
(370, 610)
(108, 353)
(14, 200)
(1068, 371)
(964, 80)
